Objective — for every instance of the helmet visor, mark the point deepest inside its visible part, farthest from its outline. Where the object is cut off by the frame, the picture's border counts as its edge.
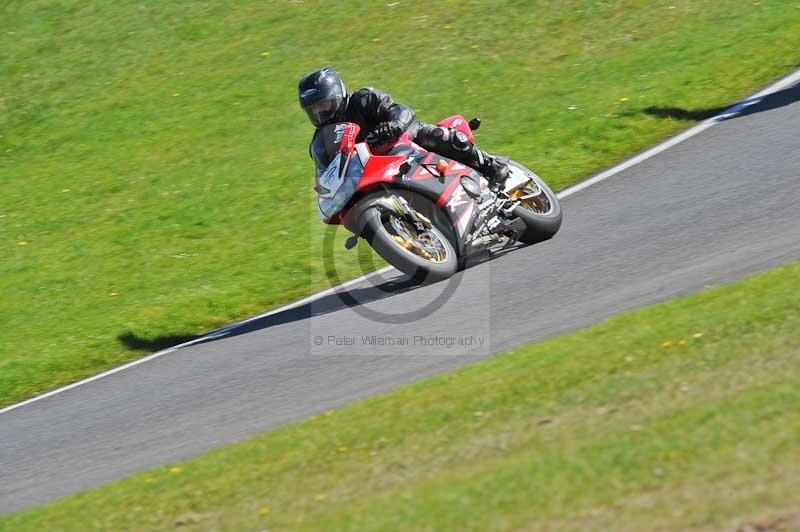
(322, 112)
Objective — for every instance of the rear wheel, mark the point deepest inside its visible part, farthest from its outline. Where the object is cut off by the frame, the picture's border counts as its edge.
(428, 256)
(538, 207)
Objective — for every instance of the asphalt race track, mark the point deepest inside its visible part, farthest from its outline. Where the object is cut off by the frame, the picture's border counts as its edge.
(710, 210)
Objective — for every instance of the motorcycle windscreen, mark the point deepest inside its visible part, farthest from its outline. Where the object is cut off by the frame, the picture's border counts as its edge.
(337, 184)
(325, 145)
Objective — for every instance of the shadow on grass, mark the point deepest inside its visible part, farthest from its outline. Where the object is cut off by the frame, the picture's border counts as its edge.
(377, 288)
(135, 342)
(678, 113)
(324, 305)
(752, 106)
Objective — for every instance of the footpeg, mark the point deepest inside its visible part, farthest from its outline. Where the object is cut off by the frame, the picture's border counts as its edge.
(505, 226)
(517, 228)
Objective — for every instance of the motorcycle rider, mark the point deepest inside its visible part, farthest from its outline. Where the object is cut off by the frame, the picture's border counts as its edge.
(326, 101)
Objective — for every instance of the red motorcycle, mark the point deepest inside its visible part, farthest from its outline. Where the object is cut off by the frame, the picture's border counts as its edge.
(423, 213)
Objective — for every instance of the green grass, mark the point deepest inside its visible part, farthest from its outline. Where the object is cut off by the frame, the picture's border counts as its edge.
(681, 416)
(153, 158)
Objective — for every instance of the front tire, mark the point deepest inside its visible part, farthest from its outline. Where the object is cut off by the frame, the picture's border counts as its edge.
(427, 258)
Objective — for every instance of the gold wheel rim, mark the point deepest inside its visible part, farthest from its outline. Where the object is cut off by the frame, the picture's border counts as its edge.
(425, 247)
(538, 203)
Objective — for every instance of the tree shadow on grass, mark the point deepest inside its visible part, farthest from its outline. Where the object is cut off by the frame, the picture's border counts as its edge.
(748, 107)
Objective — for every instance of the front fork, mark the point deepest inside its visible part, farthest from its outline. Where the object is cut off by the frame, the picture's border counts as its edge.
(399, 206)
(396, 206)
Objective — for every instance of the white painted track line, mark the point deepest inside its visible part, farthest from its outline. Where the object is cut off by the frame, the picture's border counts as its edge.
(211, 335)
(779, 85)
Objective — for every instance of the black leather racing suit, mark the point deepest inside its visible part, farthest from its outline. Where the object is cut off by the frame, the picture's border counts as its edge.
(375, 111)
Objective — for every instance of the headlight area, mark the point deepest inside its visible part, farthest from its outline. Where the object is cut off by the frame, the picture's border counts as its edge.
(330, 206)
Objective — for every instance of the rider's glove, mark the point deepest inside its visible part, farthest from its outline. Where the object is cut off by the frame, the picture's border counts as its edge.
(384, 133)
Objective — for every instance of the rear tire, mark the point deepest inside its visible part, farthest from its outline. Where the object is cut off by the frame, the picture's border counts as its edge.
(425, 271)
(540, 226)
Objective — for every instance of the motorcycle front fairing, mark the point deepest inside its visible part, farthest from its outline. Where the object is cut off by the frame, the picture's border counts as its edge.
(337, 185)
(338, 169)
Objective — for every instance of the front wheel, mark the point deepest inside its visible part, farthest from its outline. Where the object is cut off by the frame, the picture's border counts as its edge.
(538, 207)
(427, 256)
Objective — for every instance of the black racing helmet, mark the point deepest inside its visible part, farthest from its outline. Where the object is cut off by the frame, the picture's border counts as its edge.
(322, 95)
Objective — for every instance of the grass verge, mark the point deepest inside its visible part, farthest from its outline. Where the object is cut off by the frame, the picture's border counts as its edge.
(153, 167)
(681, 416)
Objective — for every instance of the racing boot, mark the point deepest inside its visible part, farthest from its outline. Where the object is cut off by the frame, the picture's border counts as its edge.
(495, 170)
